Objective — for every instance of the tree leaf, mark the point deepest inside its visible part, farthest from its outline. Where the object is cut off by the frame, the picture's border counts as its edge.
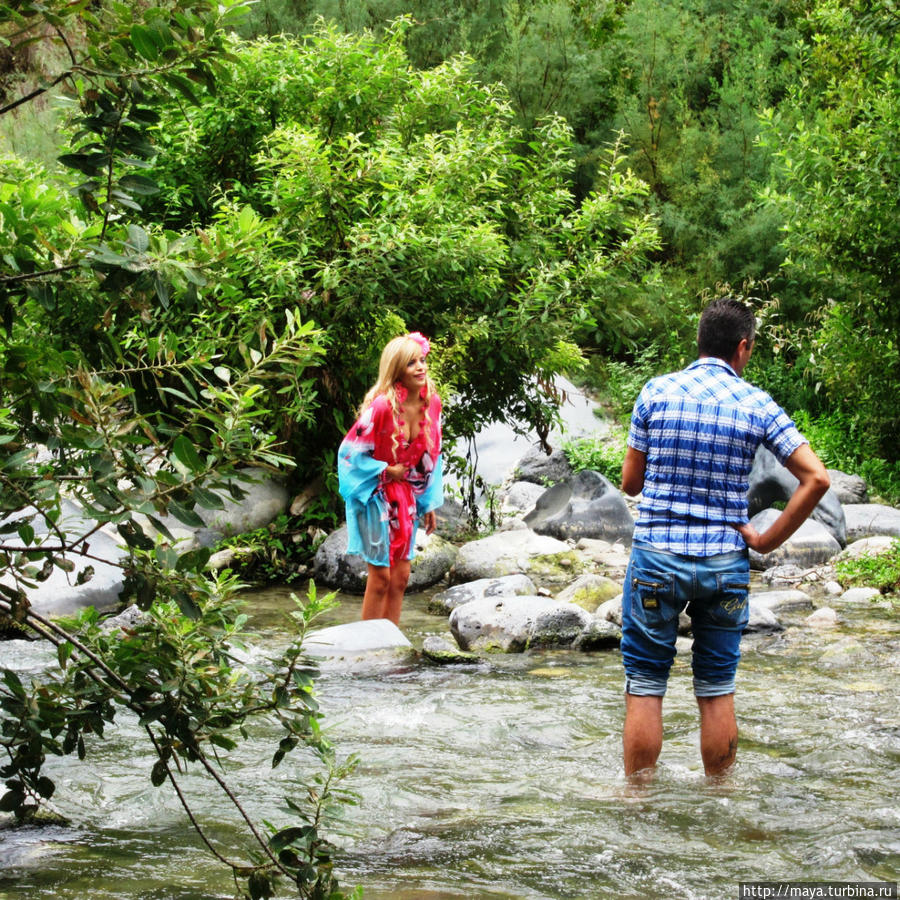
(186, 453)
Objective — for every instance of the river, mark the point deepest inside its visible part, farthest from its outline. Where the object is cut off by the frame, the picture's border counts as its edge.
(504, 780)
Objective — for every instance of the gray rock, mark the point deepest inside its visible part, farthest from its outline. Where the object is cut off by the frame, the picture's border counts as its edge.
(869, 546)
(452, 521)
(127, 620)
(521, 496)
(601, 634)
(438, 650)
(870, 519)
(355, 640)
(444, 602)
(589, 591)
(614, 556)
(334, 568)
(513, 624)
(59, 595)
(848, 488)
(771, 482)
(509, 552)
(832, 589)
(762, 620)
(824, 617)
(810, 545)
(611, 611)
(536, 466)
(782, 601)
(862, 595)
(847, 653)
(585, 506)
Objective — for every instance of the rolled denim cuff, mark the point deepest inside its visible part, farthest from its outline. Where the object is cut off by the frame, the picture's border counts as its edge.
(645, 686)
(713, 688)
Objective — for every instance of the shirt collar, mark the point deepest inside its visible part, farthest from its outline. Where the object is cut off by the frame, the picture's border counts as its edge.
(713, 361)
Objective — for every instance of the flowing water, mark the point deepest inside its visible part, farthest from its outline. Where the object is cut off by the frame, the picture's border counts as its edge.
(503, 779)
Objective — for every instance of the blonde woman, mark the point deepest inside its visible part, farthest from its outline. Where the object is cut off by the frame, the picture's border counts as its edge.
(390, 472)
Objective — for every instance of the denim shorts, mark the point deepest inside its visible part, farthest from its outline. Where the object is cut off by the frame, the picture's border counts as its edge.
(658, 586)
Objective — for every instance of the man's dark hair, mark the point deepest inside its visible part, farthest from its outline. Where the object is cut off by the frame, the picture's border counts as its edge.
(723, 325)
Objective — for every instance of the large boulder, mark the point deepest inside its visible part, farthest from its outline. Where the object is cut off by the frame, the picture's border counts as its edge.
(870, 519)
(513, 624)
(810, 545)
(334, 568)
(59, 595)
(541, 468)
(770, 482)
(868, 546)
(540, 557)
(358, 641)
(444, 602)
(584, 506)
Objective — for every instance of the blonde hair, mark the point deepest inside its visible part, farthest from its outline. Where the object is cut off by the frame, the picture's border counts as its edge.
(398, 353)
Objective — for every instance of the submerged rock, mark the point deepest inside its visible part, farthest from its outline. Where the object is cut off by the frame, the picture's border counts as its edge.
(444, 602)
(585, 506)
(441, 651)
(824, 617)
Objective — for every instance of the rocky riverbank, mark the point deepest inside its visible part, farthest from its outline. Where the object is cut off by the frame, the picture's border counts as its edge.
(552, 575)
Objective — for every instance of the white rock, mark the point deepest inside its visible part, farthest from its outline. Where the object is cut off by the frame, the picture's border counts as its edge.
(860, 595)
(824, 617)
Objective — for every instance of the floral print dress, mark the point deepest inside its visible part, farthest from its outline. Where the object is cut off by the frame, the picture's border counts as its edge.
(383, 514)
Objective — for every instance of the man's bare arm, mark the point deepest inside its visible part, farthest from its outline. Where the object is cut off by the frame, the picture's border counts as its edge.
(804, 465)
(633, 468)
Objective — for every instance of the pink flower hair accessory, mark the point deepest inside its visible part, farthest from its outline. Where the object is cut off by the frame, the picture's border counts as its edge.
(421, 340)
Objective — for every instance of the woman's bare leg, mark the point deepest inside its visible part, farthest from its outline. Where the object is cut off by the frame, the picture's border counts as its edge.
(399, 579)
(375, 599)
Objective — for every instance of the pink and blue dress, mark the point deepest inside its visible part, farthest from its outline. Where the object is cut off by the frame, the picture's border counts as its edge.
(383, 514)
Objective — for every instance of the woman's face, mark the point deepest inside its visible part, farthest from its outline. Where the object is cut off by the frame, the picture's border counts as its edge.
(415, 375)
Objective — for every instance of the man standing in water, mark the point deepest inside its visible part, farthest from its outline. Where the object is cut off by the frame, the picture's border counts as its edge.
(693, 437)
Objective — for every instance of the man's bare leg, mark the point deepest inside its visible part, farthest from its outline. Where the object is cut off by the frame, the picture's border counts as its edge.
(718, 733)
(642, 733)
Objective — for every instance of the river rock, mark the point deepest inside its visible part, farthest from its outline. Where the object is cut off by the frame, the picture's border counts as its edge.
(509, 552)
(771, 482)
(848, 488)
(810, 545)
(870, 546)
(761, 620)
(452, 520)
(611, 610)
(439, 650)
(613, 556)
(870, 519)
(536, 466)
(861, 595)
(520, 497)
(589, 591)
(356, 640)
(824, 617)
(584, 506)
(601, 634)
(444, 602)
(782, 601)
(513, 624)
(847, 653)
(59, 595)
(334, 568)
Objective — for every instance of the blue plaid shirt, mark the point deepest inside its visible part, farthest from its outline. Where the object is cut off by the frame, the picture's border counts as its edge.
(700, 429)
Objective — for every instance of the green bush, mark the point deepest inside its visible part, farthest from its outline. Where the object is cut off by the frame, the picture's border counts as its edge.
(600, 454)
(881, 571)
